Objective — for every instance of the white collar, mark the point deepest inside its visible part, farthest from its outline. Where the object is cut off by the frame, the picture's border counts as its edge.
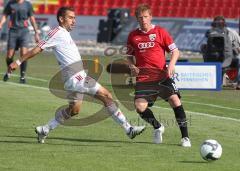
(61, 28)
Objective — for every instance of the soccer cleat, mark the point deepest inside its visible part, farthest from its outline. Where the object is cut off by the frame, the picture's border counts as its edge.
(42, 133)
(157, 135)
(22, 80)
(185, 142)
(6, 77)
(135, 130)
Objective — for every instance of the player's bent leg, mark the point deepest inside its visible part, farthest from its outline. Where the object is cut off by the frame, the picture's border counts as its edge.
(9, 60)
(146, 114)
(61, 116)
(23, 66)
(181, 119)
(43, 131)
(174, 101)
(105, 96)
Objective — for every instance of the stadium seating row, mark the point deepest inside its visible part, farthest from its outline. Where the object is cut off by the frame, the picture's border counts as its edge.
(161, 8)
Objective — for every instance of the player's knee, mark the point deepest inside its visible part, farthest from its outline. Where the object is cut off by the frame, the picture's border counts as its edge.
(174, 101)
(105, 96)
(75, 112)
(74, 109)
(141, 105)
(108, 95)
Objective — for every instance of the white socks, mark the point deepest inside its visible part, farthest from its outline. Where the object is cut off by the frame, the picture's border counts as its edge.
(53, 123)
(115, 112)
(60, 117)
(118, 116)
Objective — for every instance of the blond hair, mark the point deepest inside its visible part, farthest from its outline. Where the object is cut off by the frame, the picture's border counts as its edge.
(141, 8)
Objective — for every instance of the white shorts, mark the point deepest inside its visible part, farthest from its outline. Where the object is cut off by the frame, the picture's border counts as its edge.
(80, 84)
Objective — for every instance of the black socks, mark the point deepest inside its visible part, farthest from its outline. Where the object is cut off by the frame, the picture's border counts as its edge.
(148, 116)
(23, 68)
(9, 61)
(181, 120)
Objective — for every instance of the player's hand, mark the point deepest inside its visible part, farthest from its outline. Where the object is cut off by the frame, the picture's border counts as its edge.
(171, 70)
(134, 70)
(12, 67)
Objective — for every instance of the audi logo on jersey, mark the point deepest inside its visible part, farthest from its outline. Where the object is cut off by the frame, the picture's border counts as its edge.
(145, 45)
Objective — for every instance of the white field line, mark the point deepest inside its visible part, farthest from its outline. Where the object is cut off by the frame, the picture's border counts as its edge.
(27, 77)
(23, 85)
(190, 112)
(211, 105)
(203, 114)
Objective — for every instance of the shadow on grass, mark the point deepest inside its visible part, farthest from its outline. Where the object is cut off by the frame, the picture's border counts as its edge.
(165, 144)
(80, 140)
(192, 162)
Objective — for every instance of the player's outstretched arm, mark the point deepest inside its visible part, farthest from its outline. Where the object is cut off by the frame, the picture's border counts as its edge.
(14, 65)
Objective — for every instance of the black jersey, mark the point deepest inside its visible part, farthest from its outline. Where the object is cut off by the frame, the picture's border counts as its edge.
(19, 13)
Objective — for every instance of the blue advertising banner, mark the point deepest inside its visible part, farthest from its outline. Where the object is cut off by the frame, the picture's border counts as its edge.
(198, 76)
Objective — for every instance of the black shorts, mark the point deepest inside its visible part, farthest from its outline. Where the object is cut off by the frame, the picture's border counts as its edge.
(18, 38)
(152, 90)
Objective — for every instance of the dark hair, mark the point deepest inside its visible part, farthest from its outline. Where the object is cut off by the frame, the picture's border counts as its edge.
(141, 8)
(62, 11)
(219, 21)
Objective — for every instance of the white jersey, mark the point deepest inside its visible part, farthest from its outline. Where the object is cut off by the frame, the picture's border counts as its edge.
(73, 75)
(65, 49)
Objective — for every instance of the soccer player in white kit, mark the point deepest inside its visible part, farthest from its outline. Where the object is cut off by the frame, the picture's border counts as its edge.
(66, 52)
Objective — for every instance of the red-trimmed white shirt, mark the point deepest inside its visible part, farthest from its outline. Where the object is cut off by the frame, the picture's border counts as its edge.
(149, 50)
(65, 49)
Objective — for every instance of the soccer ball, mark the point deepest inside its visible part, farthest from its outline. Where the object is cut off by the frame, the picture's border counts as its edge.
(210, 150)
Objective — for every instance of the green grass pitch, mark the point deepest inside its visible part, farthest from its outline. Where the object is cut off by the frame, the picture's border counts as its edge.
(104, 145)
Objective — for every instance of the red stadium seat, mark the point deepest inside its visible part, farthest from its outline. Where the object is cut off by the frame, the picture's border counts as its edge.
(181, 11)
(165, 4)
(63, 2)
(117, 4)
(109, 3)
(190, 12)
(41, 9)
(155, 11)
(212, 3)
(183, 3)
(226, 12)
(200, 3)
(73, 2)
(236, 4)
(160, 8)
(102, 3)
(233, 13)
(217, 11)
(52, 9)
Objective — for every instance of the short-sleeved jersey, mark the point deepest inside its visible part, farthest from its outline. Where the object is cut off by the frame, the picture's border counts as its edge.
(19, 13)
(65, 49)
(149, 50)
